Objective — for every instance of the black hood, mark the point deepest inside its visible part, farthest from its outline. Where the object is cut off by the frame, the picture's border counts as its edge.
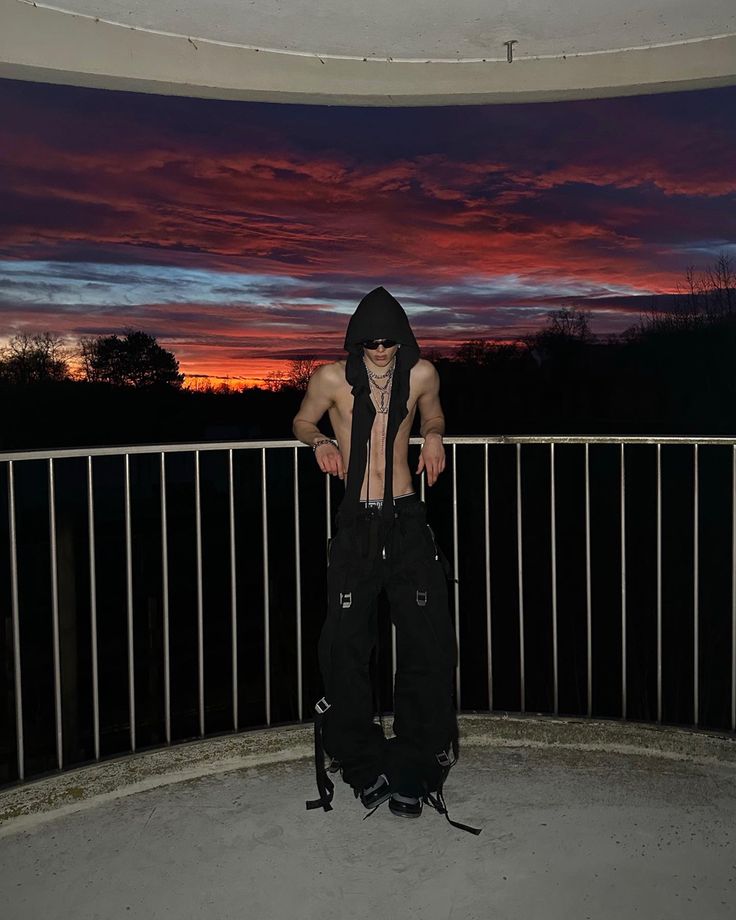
(378, 316)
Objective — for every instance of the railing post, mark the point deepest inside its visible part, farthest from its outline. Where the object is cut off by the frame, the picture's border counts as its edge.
(659, 583)
(456, 561)
(266, 592)
(489, 643)
(15, 618)
(623, 587)
(553, 542)
(519, 556)
(55, 618)
(298, 579)
(165, 600)
(233, 593)
(588, 599)
(200, 604)
(733, 588)
(129, 596)
(93, 608)
(696, 586)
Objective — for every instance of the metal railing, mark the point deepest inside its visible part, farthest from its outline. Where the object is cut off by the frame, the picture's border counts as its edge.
(13, 459)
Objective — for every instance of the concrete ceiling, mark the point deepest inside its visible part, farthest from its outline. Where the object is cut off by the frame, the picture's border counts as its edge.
(374, 52)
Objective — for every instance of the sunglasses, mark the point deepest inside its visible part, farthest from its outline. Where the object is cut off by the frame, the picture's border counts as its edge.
(372, 344)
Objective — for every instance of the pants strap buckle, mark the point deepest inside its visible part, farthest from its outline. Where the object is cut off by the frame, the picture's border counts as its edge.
(443, 758)
(320, 708)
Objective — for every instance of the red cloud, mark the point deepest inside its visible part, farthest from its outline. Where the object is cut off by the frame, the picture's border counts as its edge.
(599, 193)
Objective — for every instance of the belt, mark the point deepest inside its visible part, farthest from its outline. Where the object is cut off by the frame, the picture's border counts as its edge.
(399, 500)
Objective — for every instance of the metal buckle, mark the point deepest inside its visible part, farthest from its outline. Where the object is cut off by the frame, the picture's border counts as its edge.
(346, 599)
(443, 759)
(318, 706)
(422, 598)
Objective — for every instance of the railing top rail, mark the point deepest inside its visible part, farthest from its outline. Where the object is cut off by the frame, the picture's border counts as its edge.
(121, 449)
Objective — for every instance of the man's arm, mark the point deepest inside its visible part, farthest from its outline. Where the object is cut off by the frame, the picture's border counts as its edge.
(317, 400)
(432, 427)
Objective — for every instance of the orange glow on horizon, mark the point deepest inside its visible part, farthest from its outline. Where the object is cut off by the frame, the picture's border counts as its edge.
(199, 382)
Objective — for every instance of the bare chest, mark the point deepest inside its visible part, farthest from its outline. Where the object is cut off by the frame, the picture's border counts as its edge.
(380, 395)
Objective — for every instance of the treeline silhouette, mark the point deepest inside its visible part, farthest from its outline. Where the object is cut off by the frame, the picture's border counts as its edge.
(671, 373)
(125, 390)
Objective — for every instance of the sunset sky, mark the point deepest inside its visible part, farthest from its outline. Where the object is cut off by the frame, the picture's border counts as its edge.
(244, 234)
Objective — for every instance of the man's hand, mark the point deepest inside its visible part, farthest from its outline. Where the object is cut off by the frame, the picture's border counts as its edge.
(329, 460)
(432, 458)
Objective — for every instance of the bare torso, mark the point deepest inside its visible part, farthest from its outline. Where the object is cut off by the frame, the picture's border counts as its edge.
(341, 416)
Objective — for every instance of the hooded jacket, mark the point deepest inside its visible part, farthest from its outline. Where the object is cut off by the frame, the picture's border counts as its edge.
(378, 316)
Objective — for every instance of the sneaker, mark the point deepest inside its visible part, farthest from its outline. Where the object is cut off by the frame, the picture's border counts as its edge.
(407, 805)
(375, 795)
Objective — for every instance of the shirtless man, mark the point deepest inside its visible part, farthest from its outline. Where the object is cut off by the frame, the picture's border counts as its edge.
(382, 542)
(330, 392)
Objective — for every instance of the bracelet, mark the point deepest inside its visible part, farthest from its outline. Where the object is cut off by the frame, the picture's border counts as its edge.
(323, 441)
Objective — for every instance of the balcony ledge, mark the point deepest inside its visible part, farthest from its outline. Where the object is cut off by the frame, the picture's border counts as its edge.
(26, 805)
(580, 818)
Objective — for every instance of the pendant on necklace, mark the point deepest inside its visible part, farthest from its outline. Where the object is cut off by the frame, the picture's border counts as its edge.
(384, 391)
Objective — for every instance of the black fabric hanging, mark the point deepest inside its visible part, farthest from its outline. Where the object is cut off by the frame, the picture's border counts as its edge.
(378, 316)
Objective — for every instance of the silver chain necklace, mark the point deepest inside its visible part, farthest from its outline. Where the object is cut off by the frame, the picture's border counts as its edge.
(374, 376)
(382, 409)
(383, 391)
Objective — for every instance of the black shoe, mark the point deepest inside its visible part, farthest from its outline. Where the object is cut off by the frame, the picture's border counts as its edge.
(376, 794)
(408, 806)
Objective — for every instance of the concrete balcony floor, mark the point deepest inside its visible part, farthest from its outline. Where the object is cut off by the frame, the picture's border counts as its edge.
(581, 819)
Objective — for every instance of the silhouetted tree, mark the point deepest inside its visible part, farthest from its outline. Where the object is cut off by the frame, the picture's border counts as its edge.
(722, 285)
(135, 360)
(274, 381)
(34, 359)
(474, 351)
(296, 376)
(299, 372)
(705, 299)
(201, 383)
(564, 337)
(569, 323)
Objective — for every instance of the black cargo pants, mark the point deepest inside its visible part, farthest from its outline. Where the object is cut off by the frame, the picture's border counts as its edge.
(407, 563)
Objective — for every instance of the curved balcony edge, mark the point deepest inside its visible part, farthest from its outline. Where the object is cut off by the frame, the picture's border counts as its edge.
(28, 804)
